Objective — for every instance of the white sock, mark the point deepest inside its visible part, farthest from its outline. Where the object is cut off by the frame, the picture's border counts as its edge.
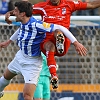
(3, 83)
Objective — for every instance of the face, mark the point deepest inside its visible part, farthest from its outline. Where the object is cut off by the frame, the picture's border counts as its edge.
(18, 15)
(55, 2)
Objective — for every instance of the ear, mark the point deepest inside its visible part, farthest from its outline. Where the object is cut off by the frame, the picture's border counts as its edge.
(23, 14)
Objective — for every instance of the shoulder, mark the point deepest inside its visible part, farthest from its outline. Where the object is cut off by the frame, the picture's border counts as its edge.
(71, 1)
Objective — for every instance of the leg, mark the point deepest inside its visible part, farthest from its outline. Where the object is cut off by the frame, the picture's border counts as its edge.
(31, 73)
(59, 41)
(42, 91)
(46, 88)
(5, 80)
(8, 75)
(28, 91)
(50, 51)
(38, 95)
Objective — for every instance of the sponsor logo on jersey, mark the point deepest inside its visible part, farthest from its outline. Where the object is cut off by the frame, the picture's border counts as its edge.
(46, 25)
(63, 10)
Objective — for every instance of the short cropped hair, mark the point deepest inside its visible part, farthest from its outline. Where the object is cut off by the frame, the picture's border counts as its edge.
(24, 6)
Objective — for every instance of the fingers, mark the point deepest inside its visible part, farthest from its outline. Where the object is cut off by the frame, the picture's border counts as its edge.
(7, 15)
(82, 51)
(8, 21)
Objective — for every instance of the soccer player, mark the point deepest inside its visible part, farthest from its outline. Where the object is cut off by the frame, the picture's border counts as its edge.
(27, 60)
(58, 12)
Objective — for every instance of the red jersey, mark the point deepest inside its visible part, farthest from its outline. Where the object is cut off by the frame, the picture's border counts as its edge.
(58, 14)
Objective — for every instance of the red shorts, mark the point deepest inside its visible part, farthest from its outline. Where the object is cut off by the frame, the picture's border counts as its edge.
(50, 37)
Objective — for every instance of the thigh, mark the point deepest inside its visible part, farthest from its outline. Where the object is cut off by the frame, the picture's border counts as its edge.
(14, 66)
(31, 72)
(12, 69)
(8, 75)
(48, 44)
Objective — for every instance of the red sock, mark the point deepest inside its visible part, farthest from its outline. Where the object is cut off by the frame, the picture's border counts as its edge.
(51, 62)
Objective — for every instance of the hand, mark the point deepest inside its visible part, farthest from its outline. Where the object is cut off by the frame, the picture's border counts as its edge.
(4, 44)
(7, 15)
(81, 50)
(8, 21)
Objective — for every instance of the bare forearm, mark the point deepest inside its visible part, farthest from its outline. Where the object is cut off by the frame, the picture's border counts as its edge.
(5, 44)
(93, 4)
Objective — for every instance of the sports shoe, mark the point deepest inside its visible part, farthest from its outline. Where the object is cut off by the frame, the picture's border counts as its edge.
(54, 82)
(1, 94)
(60, 42)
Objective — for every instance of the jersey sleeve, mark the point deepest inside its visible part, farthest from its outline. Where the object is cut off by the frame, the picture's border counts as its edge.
(77, 5)
(44, 27)
(38, 9)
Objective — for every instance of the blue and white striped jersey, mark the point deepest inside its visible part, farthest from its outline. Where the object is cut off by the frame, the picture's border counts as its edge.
(31, 35)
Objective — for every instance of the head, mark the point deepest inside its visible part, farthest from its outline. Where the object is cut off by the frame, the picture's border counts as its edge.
(55, 2)
(22, 9)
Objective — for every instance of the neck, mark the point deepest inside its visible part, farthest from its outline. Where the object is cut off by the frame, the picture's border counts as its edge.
(25, 20)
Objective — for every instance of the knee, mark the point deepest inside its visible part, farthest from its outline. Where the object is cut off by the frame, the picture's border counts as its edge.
(49, 46)
(57, 31)
(27, 96)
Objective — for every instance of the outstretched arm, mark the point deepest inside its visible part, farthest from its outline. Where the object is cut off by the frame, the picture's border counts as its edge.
(12, 38)
(93, 4)
(4, 44)
(66, 32)
(81, 50)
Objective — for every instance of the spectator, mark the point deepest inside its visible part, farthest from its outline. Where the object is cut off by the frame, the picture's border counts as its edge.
(5, 6)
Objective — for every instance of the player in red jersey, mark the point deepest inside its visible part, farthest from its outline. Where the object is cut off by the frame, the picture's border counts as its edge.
(58, 12)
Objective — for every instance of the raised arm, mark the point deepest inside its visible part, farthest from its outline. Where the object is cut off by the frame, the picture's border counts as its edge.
(12, 38)
(7, 15)
(93, 4)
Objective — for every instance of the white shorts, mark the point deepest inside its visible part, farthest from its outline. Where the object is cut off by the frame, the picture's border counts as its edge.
(30, 71)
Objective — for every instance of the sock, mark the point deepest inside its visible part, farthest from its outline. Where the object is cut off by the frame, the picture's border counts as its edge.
(3, 83)
(51, 62)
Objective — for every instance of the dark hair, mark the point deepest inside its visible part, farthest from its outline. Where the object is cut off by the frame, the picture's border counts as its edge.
(24, 6)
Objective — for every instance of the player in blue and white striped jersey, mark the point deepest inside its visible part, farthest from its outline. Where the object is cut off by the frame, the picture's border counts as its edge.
(30, 36)
(28, 60)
